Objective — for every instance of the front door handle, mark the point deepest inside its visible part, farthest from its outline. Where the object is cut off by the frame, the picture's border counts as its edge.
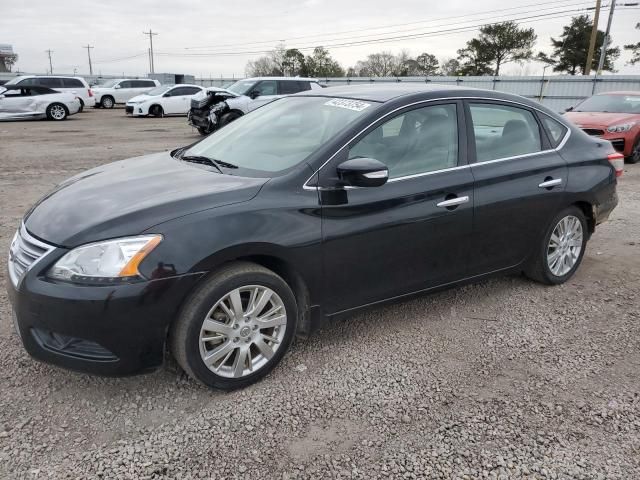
(553, 182)
(452, 202)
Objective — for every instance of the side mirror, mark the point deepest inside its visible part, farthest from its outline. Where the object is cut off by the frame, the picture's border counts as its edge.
(363, 172)
(568, 109)
(166, 94)
(254, 94)
(117, 86)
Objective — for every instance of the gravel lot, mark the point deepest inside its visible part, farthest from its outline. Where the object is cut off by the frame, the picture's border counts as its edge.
(503, 379)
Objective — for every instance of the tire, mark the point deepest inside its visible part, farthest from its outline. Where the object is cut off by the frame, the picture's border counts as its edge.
(57, 112)
(228, 340)
(107, 102)
(204, 131)
(635, 153)
(543, 267)
(81, 106)
(228, 118)
(156, 111)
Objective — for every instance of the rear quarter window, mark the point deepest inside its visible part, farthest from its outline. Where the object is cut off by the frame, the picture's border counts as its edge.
(72, 83)
(555, 130)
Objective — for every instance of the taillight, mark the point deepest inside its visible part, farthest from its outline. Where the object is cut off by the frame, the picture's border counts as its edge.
(617, 160)
(90, 92)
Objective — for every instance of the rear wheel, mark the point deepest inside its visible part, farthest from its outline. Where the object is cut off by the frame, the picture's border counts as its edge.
(57, 112)
(107, 102)
(562, 249)
(228, 118)
(236, 327)
(81, 106)
(156, 111)
(635, 152)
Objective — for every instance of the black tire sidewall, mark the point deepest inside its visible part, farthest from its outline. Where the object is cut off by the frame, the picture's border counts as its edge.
(156, 111)
(50, 117)
(195, 314)
(228, 118)
(636, 145)
(107, 98)
(546, 271)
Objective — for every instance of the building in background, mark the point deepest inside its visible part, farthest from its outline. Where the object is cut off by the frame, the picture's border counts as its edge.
(7, 57)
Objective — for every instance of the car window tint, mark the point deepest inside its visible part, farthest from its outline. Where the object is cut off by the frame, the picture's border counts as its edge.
(190, 90)
(303, 86)
(555, 129)
(287, 87)
(266, 87)
(502, 131)
(417, 141)
(28, 81)
(147, 83)
(50, 82)
(72, 83)
(126, 84)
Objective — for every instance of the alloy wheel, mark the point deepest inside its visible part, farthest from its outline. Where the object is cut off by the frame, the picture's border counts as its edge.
(58, 112)
(242, 331)
(565, 245)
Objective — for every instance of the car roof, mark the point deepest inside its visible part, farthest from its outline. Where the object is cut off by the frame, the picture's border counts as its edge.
(48, 76)
(385, 92)
(627, 92)
(290, 79)
(37, 88)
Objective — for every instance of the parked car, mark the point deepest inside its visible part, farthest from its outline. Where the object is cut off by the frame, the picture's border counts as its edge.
(216, 107)
(19, 102)
(121, 90)
(315, 205)
(74, 85)
(164, 100)
(613, 116)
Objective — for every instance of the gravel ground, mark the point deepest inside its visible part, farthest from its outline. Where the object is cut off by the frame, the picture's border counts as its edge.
(503, 379)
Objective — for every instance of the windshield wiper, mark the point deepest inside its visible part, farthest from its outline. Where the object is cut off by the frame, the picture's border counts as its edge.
(201, 160)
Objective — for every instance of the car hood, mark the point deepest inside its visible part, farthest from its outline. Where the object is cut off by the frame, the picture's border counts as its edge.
(131, 196)
(601, 119)
(143, 98)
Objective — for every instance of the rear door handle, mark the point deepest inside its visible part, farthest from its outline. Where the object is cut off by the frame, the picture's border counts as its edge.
(551, 183)
(452, 202)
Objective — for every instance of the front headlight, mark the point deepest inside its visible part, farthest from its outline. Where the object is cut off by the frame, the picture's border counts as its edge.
(624, 127)
(108, 261)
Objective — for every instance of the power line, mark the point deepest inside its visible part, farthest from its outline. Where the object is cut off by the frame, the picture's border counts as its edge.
(89, 47)
(272, 41)
(151, 35)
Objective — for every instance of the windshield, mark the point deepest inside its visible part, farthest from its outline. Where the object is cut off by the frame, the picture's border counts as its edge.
(611, 103)
(281, 134)
(241, 87)
(14, 81)
(108, 84)
(158, 90)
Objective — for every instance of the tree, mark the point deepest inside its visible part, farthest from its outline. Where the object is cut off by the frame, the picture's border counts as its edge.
(474, 60)
(635, 50)
(294, 63)
(450, 67)
(497, 44)
(262, 67)
(570, 50)
(427, 64)
(321, 64)
(8, 61)
(383, 64)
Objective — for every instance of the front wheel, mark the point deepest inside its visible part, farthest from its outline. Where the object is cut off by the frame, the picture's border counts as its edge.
(228, 118)
(156, 111)
(107, 102)
(562, 249)
(635, 153)
(57, 112)
(236, 327)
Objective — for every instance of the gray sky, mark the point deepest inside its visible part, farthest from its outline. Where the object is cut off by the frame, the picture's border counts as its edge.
(115, 29)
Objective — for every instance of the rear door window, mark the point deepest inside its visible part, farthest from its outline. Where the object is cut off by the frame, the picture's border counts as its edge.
(72, 83)
(503, 131)
(51, 82)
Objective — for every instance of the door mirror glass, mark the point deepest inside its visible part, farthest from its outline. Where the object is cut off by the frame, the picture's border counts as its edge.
(363, 172)
(117, 86)
(569, 109)
(254, 94)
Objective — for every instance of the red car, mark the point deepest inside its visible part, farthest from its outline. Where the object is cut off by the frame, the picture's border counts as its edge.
(614, 116)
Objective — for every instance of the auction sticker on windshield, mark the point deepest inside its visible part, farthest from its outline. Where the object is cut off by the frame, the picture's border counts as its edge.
(355, 105)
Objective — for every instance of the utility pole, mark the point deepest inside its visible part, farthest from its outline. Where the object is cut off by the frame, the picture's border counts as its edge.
(605, 43)
(592, 40)
(49, 52)
(151, 34)
(89, 47)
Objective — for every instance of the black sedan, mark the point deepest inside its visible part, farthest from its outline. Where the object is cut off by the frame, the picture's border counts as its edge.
(312, 206)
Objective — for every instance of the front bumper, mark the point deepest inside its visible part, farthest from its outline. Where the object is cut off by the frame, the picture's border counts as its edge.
(106, 330)
(128, 109)
(621, 141)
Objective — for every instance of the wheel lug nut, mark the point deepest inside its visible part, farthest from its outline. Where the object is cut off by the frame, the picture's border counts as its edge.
(255, 327)
(235, 327)
(236, 339)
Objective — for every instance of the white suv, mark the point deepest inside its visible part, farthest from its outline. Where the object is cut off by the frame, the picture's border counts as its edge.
(121, 90)
(75, 85)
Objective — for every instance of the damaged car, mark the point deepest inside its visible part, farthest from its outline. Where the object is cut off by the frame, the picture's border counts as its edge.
(217, 107)
(18, 102)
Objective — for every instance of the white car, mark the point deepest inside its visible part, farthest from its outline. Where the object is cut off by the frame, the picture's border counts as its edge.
(74, 85)
(217, 107)
(19, 102)
(121, 90)
(164, 100)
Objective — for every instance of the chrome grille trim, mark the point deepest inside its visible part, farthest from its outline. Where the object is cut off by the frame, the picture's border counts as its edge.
(25, 251)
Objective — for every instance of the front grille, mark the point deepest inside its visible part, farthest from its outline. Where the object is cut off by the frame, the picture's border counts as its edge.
(618, 144)
(24, 253)
(593, 131)
(128, 109)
